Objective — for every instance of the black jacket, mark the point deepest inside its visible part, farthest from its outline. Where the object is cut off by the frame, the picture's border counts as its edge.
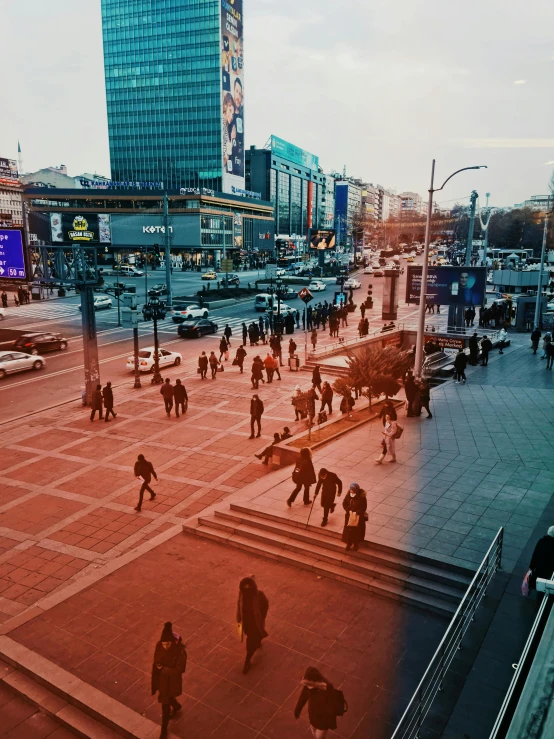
(486, 345)
(107, 394)
(173, 662)
(241, 354)
(306, 472)
(331, 486)
(542, 561)
(180, 393)
(460, 361)
(256, 408)
(321, 710)
(203, 362)
(473, 344)
(145, 469)
(167, 391)
(96, 400)
(536, 335)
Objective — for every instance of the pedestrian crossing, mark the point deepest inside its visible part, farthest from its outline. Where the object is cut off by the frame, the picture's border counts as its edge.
(45, 310)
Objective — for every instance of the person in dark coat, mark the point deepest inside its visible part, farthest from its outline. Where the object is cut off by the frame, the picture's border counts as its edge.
(410, 390)
(330, 485)
(486, 346)
(268, 451)
(170, 662)
(166, 391)
(96, 402)
(473, 344)
(203, 365)
(228, 332)
(223, 348)
(144, 469)
(180, 396)
(542, 561)
(316, 378)
(354, 504)
(346, 404)
(326, 397)
(256, 412)
(239, 358)
(425, 396)
(292, 347)
(257, 372)
(214, 363)
(286, 433)
(460, 364)
(389, 409)
(107, 396)
(535, 338)
(244, 333)
(303, 475)
(317, 692)
(252, 608)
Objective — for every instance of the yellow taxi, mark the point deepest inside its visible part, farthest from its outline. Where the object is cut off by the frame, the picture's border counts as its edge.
(209, 275)
(410, 259)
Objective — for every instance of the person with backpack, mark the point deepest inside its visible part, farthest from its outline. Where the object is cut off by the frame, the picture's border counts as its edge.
(170, 662)
(303, 475)
(324, 703)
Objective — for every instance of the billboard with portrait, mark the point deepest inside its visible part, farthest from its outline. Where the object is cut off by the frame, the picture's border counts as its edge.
(8, 169)
(88, 228)
(321, 239)
(237, 230)
(232, 94)
(448, 285)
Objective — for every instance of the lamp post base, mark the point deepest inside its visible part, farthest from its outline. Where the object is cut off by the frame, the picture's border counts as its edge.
(157, 379)
(137, 384)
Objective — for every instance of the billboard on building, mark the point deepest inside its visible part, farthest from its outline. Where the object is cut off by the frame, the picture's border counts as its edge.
(71, 228)
(321, 239)
(232, 94)
(12, 259)
(293, 153)
(448, 285)
(8, 169)
(237, 230)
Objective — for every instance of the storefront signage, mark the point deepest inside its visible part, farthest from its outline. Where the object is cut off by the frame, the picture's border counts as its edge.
(196, 191)
(246, 193)
(67, 228)
(447, 344)
(155, 229)
(119, 185)
(264, 236)
(12, 261)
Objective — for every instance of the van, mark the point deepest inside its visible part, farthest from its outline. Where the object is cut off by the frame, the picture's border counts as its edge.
(127, 271)
(263, 302)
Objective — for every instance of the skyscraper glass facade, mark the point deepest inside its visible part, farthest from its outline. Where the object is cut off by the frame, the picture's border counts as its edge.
(163, 89)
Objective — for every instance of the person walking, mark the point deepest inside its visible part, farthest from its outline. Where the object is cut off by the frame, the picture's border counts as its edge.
(268, 451)
(535, 338)
(257, 372)
(223, 349)
(355, 507)
(276, 368)
(319, 694)
(549, 355)
(181, 398)
(107, 397)
(228, 332)
(96, 403)
(389, 409)
(326, 398)
(330, 485)
(303, 475)
(410, 390)
(425, 396)
(313, 339)
(346, 404)
(240, 357)
(486, 346)
(502, 338)
(542, 561)
(144, 469)
(166, 391)
(460, 364)
(256, 412)
(316, 378)
(252, 608)
(269, 367)
(203, 365)
(244, 333)
(390, 429)
(473, 344)
(214, 363)
(362, 310)
(545, 342)
(170, 662)
(292, 348)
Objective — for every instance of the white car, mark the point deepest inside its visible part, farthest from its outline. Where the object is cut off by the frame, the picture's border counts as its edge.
(368, 270)
(146, 359)
(2, 314)
(281, 272)
(19, 362)
(182, 312)
(549, 306)
(284, 308)
(352, 283)
(101, 302)
(316, 286)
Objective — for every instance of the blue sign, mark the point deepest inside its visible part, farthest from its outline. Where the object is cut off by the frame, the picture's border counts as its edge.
(12, 261)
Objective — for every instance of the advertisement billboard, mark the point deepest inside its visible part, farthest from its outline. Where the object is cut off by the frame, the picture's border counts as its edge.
(293, 153)
(12, 260)
(8, 169)
(448, 285)
(232, 94)
(321, 239)
(92, 228)
(237, 231)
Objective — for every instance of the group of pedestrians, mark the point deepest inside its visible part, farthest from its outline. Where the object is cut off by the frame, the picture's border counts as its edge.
(102, 398)
(21, 297)
(547, 346)
(174, 394)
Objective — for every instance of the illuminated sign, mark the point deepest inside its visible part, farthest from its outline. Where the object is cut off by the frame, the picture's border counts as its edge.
(322, 238)
(12, 261)
(93, 228)
(448, 285)
(232, 94)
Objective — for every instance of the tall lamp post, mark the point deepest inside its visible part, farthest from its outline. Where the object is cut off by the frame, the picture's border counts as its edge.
(538, 316)
(424, 270)
(155, 309)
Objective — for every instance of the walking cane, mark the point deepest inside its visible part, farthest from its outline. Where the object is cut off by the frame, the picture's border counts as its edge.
(311, 509)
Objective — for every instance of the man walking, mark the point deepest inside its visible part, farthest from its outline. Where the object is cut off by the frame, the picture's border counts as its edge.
(473, 344)
(244, 333)
(181, 397)
(330, 485)
(107, 395)
(96, 402)
(460, 364)
(256, 412)
(227, 332)
(144, 469)
(166, 391)
(203, 365)
(486, 346)
(214, 363)
(535, 338)
(239, 358)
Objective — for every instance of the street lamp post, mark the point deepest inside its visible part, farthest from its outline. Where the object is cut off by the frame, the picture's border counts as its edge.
(155, 309)
(541, 268)
(424, 270)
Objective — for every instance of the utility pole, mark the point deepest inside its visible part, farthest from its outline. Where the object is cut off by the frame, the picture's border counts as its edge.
(90, 345)
(167, 251)
(538, 311)
(469, 247)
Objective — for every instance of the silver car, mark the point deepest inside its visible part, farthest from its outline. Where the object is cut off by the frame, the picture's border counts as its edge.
(18, 362)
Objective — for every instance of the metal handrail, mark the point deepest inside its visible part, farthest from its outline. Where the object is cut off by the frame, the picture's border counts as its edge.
(352, 341)
(412, 720)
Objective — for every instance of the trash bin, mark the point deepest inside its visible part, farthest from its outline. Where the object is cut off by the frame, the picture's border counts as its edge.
(294, 363)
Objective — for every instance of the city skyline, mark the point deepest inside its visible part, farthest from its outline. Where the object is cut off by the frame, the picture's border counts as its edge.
(484, 103)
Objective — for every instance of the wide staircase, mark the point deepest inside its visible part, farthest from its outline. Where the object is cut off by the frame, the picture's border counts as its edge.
(327, 369)
(418, 581)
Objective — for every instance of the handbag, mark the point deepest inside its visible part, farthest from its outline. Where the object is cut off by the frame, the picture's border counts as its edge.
(296, 474)
(399, 431)
(353, 519)
(525, 584)
(198, 371)
(235, 362)
(221, 368)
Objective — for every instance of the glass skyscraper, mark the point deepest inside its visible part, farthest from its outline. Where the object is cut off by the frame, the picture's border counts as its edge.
(163, 68)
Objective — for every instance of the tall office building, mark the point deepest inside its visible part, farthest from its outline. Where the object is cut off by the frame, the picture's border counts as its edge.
(174, 74)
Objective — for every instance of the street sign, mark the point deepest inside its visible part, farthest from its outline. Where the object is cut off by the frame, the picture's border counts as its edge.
(12, 261)
(129, 317)
(227, 265)
(305, 295)
(271, 271)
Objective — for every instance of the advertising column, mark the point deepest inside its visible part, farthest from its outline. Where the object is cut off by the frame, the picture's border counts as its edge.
(232, 94)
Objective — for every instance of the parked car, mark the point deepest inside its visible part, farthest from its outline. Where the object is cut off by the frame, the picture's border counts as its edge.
(180, 313)
(209, 275)
(352, 283)
(368, 270)
(549, 306)
(157, 290)
(281, 272)
(101, 302)
(196, 328)
(19, 362)
(146, 359)
(316, 286)
(378, 273)
(40, 342)
(286, 292)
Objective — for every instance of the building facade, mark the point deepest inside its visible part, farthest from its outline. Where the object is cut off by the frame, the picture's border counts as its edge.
(174, 76)
(392, 205)
(348, 201)
(202, 227)
(411, 202)
(291, 180)
(11, 204)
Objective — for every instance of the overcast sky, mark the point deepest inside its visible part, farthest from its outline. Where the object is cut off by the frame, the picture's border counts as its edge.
(378, 86)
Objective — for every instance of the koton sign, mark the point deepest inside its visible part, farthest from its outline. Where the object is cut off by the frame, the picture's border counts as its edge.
(155, 229)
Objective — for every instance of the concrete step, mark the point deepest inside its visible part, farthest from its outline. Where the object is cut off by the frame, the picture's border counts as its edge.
(326, 539)
(313, 562)
(336, 556)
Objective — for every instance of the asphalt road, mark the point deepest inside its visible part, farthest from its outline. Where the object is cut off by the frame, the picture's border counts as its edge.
(62, 377)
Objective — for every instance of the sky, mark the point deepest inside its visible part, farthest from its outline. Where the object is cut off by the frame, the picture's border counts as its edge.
(376, 86)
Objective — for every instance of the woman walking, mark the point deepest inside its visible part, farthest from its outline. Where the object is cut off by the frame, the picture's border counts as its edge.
(318, 693)
(303, 475)
(252, 608)
(314, 339)
(170, 662)
(355, 506)
(390, 430)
